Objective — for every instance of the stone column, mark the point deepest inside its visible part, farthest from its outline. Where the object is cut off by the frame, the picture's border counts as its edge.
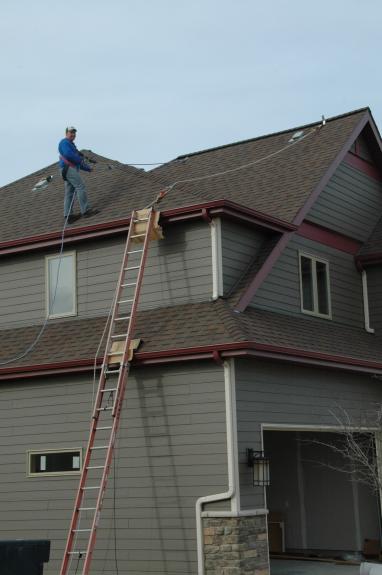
(235, 545)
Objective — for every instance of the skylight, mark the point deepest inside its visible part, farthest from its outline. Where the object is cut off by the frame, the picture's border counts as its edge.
(296, 136)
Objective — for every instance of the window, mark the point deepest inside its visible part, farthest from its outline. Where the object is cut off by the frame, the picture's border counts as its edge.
(61, 285)
(314, 286)
(49, 462)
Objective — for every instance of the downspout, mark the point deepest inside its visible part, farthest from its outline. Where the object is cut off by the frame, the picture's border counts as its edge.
(366, 302)
(231, 493)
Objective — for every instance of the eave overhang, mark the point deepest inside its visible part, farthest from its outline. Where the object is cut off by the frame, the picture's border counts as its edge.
(245, 349)
(369, 259)
(216, 208)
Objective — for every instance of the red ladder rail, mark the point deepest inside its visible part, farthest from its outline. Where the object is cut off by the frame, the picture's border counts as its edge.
(108, 403)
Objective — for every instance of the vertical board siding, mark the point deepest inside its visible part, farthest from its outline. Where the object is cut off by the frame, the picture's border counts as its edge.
(240, 245)
(271, 394)
(281, 289)
(351, 203)
(171, 450)
(374, 282)
(178, 270)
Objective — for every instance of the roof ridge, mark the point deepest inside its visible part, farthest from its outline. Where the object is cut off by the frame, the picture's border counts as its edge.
(264, 136)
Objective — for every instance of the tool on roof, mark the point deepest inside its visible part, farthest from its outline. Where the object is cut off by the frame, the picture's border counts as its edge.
(42, 184)
(119, 351)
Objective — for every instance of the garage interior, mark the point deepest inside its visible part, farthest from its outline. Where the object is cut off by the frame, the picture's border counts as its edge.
(317, 511)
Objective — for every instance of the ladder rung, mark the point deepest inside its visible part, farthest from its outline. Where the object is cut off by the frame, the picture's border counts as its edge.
(129, 284)
(135, 252)
(142, 220)
(96, 466)
(104, 408)
(103, 428)
(87, 508)
(132, 268)
(91, 487)
(108, 389)
(99, 447)
(137, 236)
(122, 318)
(76, 553)
(81, 530)
(112, 371)
(119, 335)
(125, 300)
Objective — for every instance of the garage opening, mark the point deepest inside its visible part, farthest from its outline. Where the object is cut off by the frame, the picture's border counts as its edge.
(315, 509)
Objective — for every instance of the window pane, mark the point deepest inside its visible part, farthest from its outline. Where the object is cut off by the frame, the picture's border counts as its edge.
(307, 284)
(61, 286)
(322, 288)
(52, 462)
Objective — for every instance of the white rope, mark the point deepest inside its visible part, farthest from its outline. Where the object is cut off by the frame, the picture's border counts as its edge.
(243, 166)
(51, 305)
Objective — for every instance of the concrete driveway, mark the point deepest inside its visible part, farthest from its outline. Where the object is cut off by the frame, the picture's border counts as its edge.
(295, 567)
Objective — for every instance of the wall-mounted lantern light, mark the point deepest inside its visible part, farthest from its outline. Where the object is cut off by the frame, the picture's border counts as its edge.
(260, 467)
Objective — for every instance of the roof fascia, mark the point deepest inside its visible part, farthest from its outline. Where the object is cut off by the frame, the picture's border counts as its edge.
(238, 349)
(299, 218)
(369, 259)
(329, 238)
(197, 211)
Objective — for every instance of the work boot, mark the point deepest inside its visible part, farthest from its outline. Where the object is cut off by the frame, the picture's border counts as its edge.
(90, 212)
(73, 217)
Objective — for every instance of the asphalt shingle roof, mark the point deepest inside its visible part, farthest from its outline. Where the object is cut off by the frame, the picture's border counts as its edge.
(113, 188)
(278, 186)
(193, 325)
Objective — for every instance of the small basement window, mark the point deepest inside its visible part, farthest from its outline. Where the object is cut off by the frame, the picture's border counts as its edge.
(61, 285)
(50, 462)
(314, 286)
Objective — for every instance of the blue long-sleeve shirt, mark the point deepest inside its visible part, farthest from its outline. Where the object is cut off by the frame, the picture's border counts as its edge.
(69, 151)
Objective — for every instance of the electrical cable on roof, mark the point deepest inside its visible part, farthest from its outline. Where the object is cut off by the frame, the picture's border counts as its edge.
(43, 327)
(158, 198)
(243, 166)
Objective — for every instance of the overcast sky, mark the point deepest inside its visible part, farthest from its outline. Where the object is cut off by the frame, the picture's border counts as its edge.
(148, 80)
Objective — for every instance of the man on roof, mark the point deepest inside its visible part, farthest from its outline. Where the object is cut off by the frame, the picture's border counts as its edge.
(71, 162)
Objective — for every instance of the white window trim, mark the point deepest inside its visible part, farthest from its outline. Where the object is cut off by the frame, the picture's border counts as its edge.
(74, 263)
(217, 258)
(53, 473)
(314, 260)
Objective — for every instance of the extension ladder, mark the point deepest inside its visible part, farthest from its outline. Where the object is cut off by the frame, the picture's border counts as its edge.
(119, 351)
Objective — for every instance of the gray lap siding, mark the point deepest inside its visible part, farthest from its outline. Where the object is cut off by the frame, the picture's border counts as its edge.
(171, 449)
(350, 203)
(281, 289)
(178, 270)
(277, 394)
(240, 244)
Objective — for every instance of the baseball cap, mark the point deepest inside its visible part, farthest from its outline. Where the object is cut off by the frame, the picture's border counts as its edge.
(71, 129)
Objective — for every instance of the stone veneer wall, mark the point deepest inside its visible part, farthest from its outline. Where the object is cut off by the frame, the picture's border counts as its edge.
(235, 545)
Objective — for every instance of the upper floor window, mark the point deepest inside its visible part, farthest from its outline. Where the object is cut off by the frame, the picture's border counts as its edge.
(314, 286)
(61, 285)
